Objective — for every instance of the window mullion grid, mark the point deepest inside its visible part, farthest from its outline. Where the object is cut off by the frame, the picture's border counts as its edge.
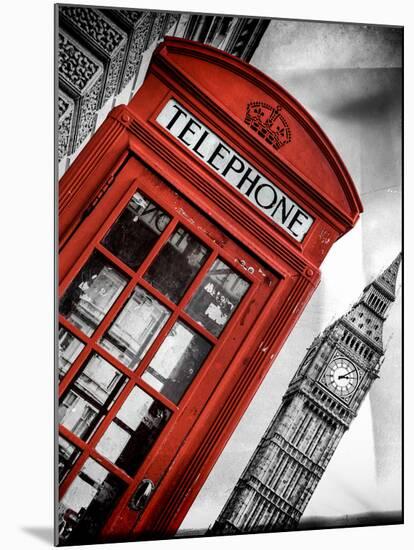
(79, 361)
(106, 420)
(87, 451)
(136, 277)
(89, 446)
(91, 343)
(197, 327)
(177, 313)
(134, 377)
(176, 310)
(104, 228)
(198, 279)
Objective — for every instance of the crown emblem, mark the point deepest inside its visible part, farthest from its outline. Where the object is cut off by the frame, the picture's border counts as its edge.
(269, 123)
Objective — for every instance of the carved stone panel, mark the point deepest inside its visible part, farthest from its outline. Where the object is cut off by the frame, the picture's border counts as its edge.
(103, 38)
(171, 21)
(88, 114)
(80, 77)
(133, 16)
(157, 27)
(137, 25)
(66, 107)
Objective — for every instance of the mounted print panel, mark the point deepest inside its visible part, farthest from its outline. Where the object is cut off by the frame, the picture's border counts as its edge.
(229, 275)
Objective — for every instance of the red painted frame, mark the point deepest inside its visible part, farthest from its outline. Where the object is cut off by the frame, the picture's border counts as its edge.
(98, 186)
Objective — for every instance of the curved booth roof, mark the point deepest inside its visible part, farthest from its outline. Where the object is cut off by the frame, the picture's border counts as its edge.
(275, 119)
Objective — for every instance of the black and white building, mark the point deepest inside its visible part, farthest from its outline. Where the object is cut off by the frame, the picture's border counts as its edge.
(322, 400)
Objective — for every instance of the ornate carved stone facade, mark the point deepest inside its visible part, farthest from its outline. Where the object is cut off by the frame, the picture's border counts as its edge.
(65, 117)
(101, 53)
(137, 26)
(319, 405)
(80, 77)
(103, 38)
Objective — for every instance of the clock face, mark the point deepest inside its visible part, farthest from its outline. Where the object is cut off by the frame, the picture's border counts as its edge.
(341, 377)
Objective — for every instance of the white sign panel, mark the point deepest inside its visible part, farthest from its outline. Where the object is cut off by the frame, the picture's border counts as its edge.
(214, 152)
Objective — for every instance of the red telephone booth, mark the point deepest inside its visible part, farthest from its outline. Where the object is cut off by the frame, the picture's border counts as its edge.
(192, 228)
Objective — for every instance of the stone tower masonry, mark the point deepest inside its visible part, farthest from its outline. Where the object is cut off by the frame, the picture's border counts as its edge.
(319, 405)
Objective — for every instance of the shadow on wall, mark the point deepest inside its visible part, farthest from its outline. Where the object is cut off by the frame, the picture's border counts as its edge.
(44, 534)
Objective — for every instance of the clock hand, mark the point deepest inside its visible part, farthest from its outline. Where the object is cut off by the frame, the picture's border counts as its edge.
(347, 374)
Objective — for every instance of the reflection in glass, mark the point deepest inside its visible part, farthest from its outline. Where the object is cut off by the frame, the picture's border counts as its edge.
(100, 380)
(77, 414)
(92, 293)
(177, 362)
(136, 327)
(69, 349)
(217, 297)
(87, 503)
(177, 264)
(68, 453)
(136, 230)
(90, 396)
(133, 431)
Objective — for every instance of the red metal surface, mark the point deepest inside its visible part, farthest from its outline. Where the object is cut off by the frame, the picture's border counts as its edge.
(132, 151)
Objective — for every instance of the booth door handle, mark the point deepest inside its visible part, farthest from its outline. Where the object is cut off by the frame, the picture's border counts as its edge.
(142, 495)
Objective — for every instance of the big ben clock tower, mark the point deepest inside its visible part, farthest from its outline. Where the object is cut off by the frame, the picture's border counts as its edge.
(319, 405)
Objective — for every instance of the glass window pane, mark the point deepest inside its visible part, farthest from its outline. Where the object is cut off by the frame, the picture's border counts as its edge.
(87, 503)
(91, 394)
(69, 349)
(177, 362)
(113, 442)
(133, 431)
(77, 414)
(136, 230)
(217, 297)
(68, 454)
(135, 329)
(92, 293)
(177, 264)
(100, 380)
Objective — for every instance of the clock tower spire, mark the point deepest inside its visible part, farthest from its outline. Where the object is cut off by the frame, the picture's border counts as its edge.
(319, 405)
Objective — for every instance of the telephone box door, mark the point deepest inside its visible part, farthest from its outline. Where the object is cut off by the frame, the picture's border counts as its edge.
(156, 303)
